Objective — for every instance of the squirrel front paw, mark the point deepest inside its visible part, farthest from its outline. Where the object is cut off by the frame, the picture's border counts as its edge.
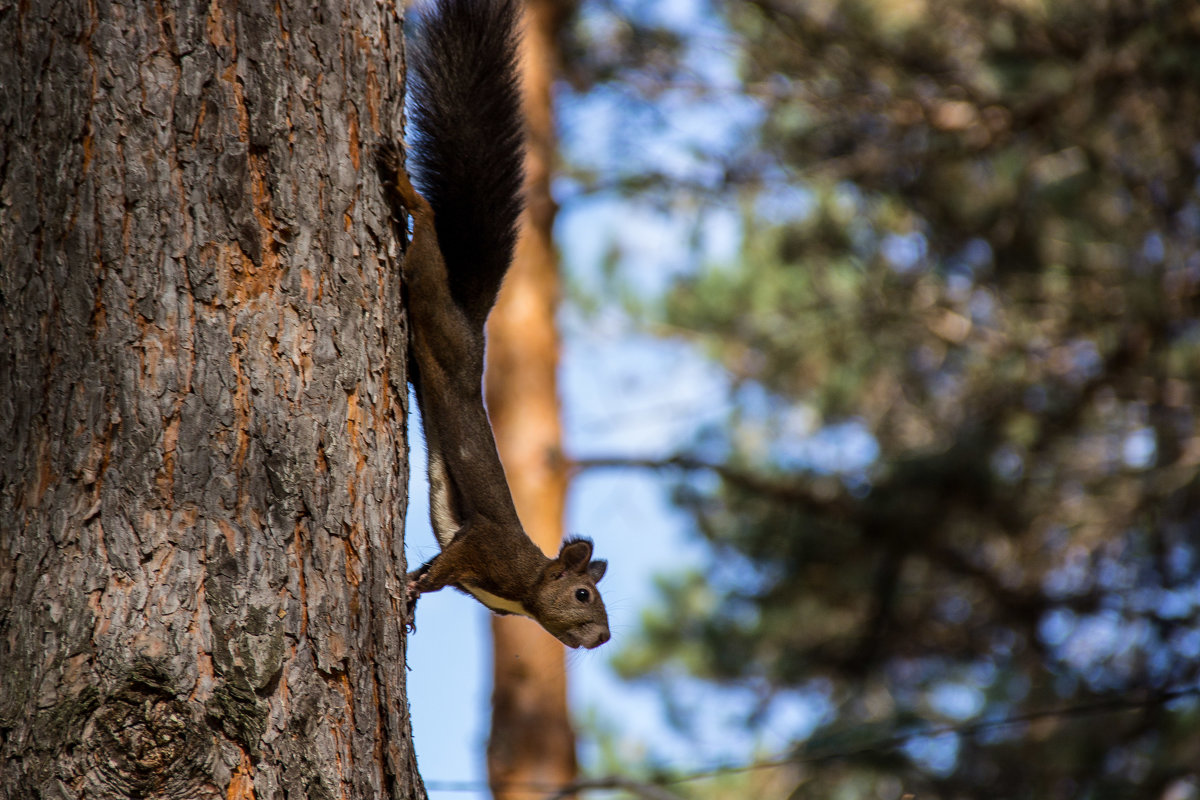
(412, 593)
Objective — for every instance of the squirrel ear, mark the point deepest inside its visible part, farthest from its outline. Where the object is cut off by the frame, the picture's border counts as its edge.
(575, 555)
(596, 569)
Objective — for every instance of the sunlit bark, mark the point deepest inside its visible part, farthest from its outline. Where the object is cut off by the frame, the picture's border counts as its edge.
(202, 398)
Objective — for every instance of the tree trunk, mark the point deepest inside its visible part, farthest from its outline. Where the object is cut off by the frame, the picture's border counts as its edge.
(202, 403)
(531, 742)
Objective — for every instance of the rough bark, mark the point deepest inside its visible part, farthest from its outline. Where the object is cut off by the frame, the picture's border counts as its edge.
(532, 743)
(202, 403)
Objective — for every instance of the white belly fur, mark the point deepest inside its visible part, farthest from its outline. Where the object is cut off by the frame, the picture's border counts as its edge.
(497, 603)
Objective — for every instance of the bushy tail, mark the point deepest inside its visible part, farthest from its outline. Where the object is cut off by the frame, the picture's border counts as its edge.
(467, 139)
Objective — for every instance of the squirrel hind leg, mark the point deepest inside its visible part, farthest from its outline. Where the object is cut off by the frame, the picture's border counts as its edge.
(389, 163)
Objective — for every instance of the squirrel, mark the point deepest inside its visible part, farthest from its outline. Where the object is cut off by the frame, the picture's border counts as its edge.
(467, 156)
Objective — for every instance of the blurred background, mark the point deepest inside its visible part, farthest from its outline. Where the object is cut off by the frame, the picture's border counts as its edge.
(878, 374)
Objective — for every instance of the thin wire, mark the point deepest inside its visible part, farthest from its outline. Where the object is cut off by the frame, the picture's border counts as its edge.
(883, 743)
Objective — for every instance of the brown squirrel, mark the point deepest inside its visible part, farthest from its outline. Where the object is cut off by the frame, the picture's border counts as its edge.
(467, 157)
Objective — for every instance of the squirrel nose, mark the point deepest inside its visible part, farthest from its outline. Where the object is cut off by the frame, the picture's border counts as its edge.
(604, 637)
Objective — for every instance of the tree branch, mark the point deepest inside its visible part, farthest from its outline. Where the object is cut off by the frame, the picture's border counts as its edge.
(644, 790)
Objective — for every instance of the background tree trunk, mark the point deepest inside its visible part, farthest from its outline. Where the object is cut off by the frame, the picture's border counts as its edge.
(531, 741)
(202, 403)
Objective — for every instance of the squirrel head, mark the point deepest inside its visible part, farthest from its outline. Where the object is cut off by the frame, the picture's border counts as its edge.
(566, 601)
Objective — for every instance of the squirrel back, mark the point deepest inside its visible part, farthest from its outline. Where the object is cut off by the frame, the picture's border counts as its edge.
(467, 140)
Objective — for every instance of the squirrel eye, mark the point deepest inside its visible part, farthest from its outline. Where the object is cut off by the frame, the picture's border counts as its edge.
(582, 595)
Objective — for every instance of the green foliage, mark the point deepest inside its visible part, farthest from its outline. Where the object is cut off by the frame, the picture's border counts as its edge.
(994, 285)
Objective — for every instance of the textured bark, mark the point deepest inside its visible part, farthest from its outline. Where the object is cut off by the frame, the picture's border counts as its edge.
(202, 403)
(531, 742)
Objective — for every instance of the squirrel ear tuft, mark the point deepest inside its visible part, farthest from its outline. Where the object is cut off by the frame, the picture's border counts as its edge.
(596, 569)
(575, 555)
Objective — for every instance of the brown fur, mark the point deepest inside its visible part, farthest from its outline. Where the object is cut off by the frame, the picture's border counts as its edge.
(485, 551)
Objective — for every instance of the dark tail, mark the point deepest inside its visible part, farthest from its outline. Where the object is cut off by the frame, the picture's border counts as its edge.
(467, 139)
